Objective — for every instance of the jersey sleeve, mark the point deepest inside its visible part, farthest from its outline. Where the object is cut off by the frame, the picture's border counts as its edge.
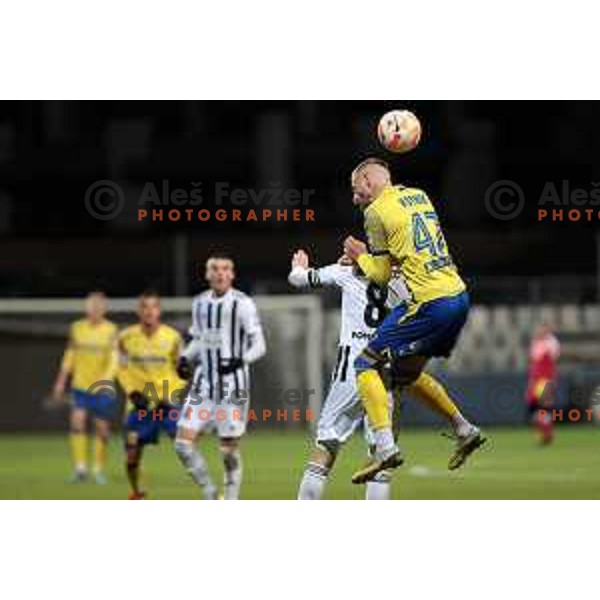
(193, 348)
(328, 276)
(376, 265)
(255, 346)
(195, 327)
(376, 234)
(376, 268)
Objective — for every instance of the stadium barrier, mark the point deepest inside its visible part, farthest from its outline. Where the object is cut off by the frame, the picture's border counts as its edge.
(487, 372)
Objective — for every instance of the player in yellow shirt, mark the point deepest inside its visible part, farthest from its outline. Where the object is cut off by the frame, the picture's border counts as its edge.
(149, 352)
(403, 231)
(88, 368)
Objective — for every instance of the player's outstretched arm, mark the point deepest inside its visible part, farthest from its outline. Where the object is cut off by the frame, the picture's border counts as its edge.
(300, 270)
(303, 276)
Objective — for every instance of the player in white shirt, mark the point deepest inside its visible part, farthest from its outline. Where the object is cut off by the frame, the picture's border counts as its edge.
(364, 306)
(227, 337)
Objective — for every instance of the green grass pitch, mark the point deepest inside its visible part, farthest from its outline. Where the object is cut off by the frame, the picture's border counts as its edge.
(511, 465)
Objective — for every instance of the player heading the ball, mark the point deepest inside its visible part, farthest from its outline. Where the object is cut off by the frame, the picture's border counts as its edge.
(403, 230)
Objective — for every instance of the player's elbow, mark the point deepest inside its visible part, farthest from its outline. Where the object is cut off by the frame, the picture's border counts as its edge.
(380, 274)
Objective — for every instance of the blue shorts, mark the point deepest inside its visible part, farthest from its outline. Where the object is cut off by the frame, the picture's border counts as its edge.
(102, 406)
(431, 331)
(145, 426)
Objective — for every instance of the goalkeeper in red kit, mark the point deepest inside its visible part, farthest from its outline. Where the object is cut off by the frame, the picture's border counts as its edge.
(544, 352)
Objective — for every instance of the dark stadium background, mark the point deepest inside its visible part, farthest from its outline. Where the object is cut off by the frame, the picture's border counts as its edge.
(52, 152)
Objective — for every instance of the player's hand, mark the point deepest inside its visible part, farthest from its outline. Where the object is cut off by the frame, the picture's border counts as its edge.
(58, 391)
(138, 400)
(229, 365)
(345, 261)
(183, 368)
(353, 248)
(300, 259)
(57, 399)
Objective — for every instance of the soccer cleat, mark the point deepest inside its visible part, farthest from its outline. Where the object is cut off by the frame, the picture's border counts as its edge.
(78, 476)
(136, 496)
(465, 446)
(100, 479)
(369, 472)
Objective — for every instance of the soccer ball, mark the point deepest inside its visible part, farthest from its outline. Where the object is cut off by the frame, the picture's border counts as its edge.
(399, 131)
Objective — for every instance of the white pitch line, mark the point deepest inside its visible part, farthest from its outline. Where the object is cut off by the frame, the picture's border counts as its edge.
(424, 472)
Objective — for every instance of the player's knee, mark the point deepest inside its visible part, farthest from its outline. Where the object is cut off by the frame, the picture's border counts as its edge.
(183, 449)
(231, 456)
(133, 460)
(364, 362)
(77, 424)
(402, 376)
(103, 433)
(404, 379)
(330, 448)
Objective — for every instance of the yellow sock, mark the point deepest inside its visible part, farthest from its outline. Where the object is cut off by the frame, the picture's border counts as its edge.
(99, 454)
(374, 398)
(432, 393)
(79, 450)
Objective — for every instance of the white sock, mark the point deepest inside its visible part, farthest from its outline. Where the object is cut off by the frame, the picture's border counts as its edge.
(384, 441)
(232, 463)
(313, 482)
(461, 426)
(194, 462)
(380, 488)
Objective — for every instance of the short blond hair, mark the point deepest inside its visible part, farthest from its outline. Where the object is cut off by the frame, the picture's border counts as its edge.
(371, 160)
(97, 294)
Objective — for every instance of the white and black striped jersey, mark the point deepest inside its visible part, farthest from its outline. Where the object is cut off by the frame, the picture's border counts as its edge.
(364, 304)
(224, 327)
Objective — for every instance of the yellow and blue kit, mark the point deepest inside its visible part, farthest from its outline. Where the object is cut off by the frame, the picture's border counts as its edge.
(404, 232)
(91, 361)
(148, 369)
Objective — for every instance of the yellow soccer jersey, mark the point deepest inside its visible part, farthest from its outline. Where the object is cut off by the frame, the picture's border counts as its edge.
(90, 356)
(403, 229)
(148, 363)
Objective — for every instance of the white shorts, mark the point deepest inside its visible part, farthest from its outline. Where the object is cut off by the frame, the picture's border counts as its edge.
(226, 418)
(342, 413)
